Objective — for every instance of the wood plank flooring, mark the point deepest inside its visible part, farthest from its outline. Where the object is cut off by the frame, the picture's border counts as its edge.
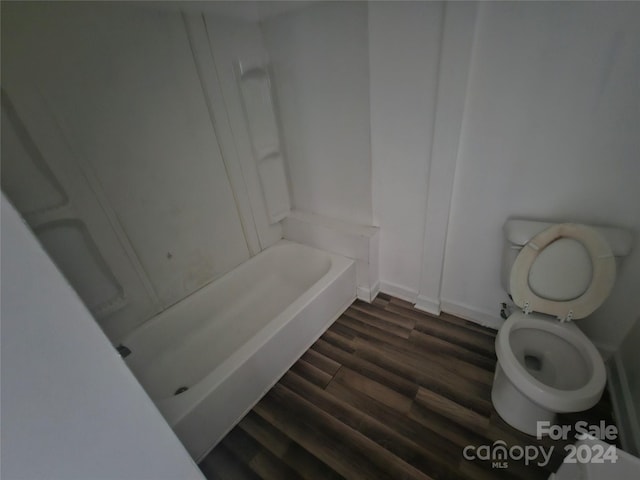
(387, 392)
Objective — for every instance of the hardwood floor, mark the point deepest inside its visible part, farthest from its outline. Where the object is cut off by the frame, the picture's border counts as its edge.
(386, 392)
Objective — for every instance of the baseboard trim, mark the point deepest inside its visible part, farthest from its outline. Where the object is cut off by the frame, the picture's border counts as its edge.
(399, 291)
(368, 294)
(375, 290)
(481, 317)
(623, 407)
(428, 305)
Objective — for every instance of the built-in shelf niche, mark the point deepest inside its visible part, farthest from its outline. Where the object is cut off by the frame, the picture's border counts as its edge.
(258, 105)
(68, 242)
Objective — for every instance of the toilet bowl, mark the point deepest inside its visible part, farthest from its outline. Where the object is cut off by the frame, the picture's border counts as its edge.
(546, 365)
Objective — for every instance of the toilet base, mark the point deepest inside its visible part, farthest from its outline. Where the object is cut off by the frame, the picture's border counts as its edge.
(515, 408)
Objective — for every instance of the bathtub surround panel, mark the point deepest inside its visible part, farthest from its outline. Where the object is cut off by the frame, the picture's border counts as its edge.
(217, 107)
(109, 263)
(358, 242)
(231, 341)
(131, 129)
(320, 68)
(97, 284)
(23, 162)
(230, 42)
(30, 182)
(133, 109)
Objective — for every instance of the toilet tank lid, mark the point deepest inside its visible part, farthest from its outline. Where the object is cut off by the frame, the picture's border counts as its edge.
(519, 232)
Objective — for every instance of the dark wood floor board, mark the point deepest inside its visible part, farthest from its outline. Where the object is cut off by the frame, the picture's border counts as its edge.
(269, 467)
(241, 445)
(419, 343)
(440, 456)
(455, 433)
(427, 369)
(320, 361)
(383, 462)
(222, 464)
(339, 337)
(312, 373)
(407, 311)
(455, 324)
(382, 393)
(380, 302)
(404, 308)
(308, 466)
(482, 344)
(399, 383)
(212, 466)
(445, 381)
(419, 358)
(402, 424)
(452, 410)
(260, 460)
(375, 321)
(364, 330)
(300, 460)
(435, 344)
(467, 324)
(378, 427)
(324, 401)
(265, 434)
(382, 314)
(334, 450)
(386, 392)
(395, 301)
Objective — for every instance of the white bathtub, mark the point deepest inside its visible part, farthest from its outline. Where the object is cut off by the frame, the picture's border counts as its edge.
(232, 340)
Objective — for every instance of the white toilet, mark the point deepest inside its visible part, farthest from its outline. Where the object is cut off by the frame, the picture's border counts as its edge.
(555, 273)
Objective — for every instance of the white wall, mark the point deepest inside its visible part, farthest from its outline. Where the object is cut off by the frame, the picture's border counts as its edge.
(404, 46)
(71, 409)
(321, 74)
(453, 72)
(551, 131)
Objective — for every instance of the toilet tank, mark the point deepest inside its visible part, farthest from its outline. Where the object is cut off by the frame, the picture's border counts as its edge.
(518, 232)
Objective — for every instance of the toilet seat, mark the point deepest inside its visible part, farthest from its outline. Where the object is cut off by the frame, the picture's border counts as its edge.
(603, 276)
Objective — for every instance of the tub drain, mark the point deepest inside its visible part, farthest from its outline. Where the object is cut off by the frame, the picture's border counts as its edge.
(180, 390)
